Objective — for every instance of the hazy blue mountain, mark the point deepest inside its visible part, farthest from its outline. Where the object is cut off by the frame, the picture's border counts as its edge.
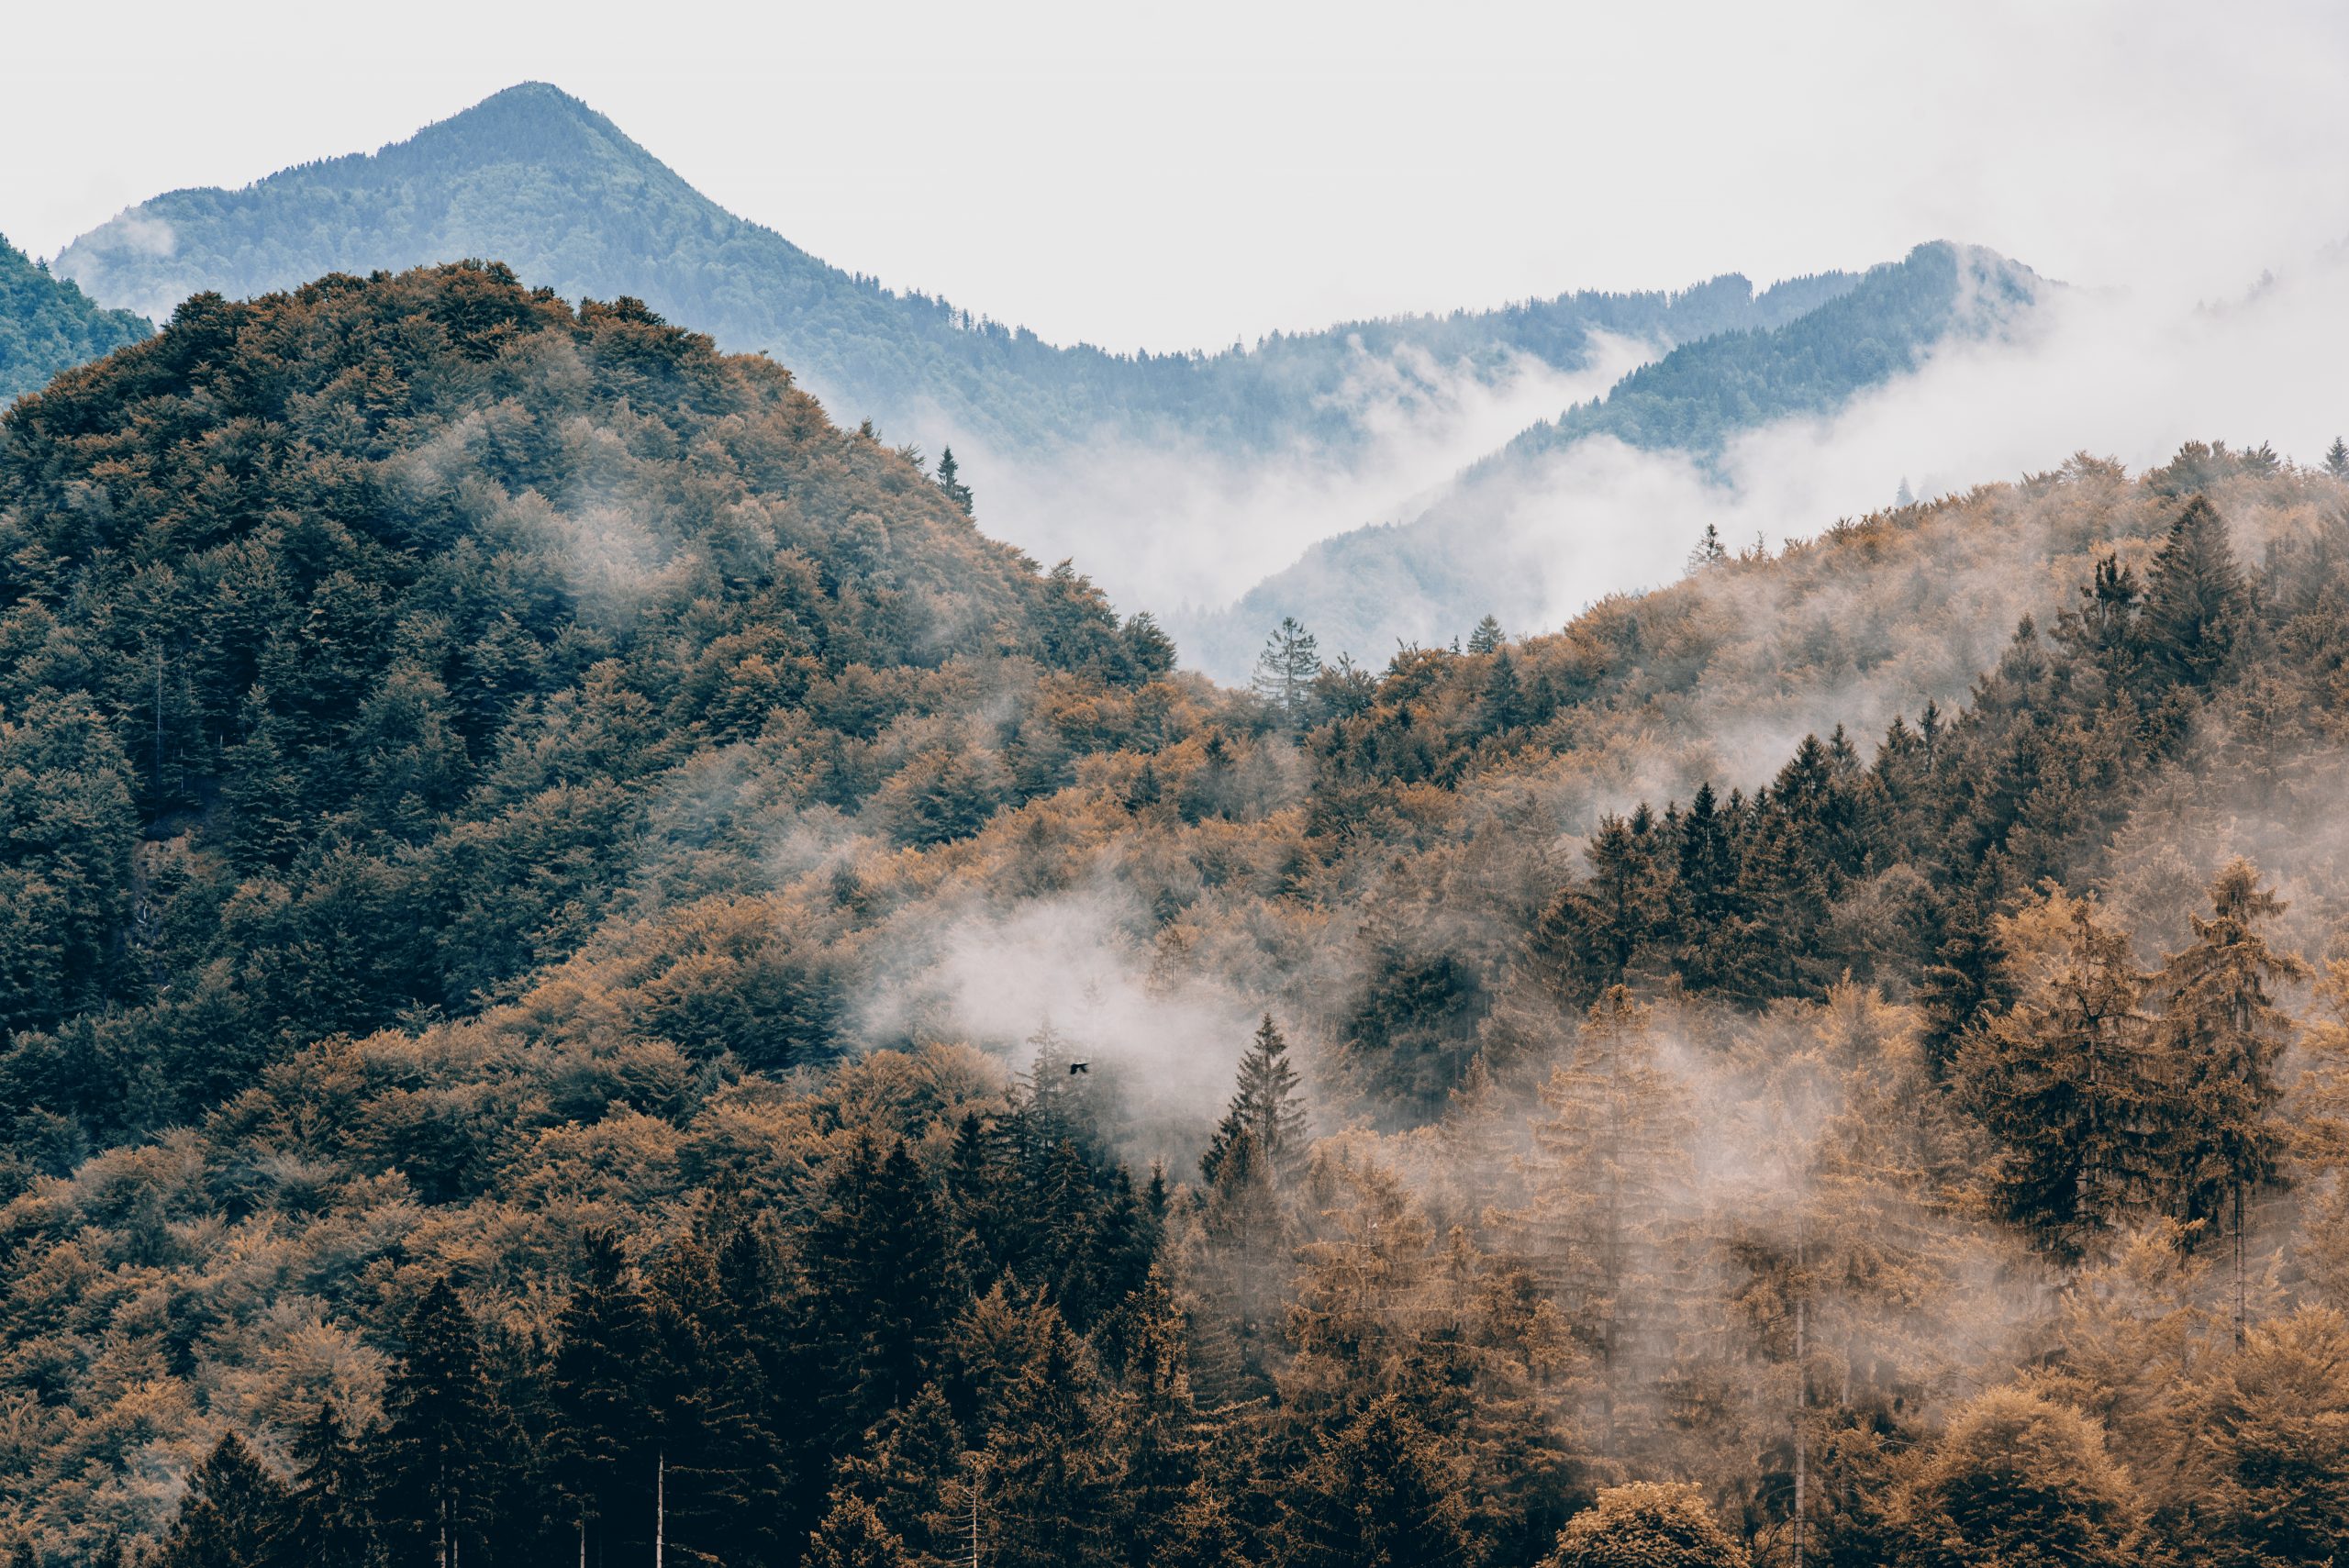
(534, 178)
(47, 325)
(1429, 577)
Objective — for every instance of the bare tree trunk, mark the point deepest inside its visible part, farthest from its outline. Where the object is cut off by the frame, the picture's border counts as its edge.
(1802, 1390)
(660, 1507)
(2243, 1314)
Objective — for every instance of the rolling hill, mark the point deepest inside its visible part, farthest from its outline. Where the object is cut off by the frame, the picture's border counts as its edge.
(47, 325)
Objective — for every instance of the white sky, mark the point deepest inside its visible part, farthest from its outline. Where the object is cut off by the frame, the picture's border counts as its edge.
(1188, 173)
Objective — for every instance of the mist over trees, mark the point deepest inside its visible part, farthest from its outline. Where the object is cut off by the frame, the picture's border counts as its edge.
(587, 962)
(47, 325)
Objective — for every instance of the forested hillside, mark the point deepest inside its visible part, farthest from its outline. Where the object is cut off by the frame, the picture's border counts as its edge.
(536, 179)
(597, 963)
(47, 323)
(1479, 547)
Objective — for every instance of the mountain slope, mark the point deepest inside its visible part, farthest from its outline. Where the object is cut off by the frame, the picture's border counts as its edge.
(47, 325)
(1470, 551)
(531, 858)
(534, 178)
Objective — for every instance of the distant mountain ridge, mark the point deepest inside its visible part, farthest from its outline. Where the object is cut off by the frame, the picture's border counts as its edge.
(47, 325)
(535, 178)
(1432, 577)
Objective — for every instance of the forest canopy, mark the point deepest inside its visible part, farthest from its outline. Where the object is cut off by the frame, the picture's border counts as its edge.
(585, 958)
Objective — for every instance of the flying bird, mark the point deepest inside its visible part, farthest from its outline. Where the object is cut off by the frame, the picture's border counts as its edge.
(1076, 1067)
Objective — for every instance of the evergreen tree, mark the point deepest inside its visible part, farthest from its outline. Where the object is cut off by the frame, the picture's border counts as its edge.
(445, 1445)
(1267, 1104)
(1377, 1492)
(2274, 1419)
(2018, 1479)
(879, 1306)
(1708, 550)
(1502, 707)
(2195, 599)
(852, 1536)
(2337, 458)
(2065, 1080)
(234, 1513)
(606, 1427)
(333, 1523)
(949, 481)
(1286, 671)
(1646, 1525)
(2225, 1036)
(1486, 637)
(1607, 1160)
(1050, 1472)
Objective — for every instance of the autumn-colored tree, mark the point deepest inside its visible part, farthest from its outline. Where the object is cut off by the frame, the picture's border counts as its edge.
(1646, 1525)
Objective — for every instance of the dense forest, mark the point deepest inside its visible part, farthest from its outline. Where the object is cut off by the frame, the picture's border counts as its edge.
(588, 964)
(1427, 578)
(536, 178)
(47, 325)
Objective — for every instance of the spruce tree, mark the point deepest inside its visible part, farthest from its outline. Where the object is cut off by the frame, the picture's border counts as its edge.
(606, 1436)
(2065, 1078)
(1609, 1157)
(1380, 1491)
(1286, 672)
(1267, 1105)
(1051, 1473)
(333, 1523)
(2337, 458)
(1502, 707)
(2195, 599)
(880, 1305)
(1488, 638)
(445, 1444)
(2225, 1038)
(234, 1513)
(949, 481)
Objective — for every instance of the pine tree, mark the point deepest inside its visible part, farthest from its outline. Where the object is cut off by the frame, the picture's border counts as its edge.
(235, 1512)
(445, 1444)
(333, 1524)
(949, 481)
(2225, 1036)
(1377, 1492)
(606, 1436)
(1607, 1159)
(1052, 1475)
(2337, 458)
(1265, 1103)
(1708, 550)
(2195, 599)
(2065, 1078)
(880, 1305)
(1286, 672)
(1486, 637)
(1501, 708)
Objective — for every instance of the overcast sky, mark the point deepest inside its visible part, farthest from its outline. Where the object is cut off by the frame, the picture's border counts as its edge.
(1186, 174)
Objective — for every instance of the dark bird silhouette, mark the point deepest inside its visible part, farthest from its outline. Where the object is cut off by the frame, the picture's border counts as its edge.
(1076, 1067)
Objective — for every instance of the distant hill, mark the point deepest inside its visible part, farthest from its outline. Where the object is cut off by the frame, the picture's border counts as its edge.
(1432, 577)
(47, 325)
(535, 178)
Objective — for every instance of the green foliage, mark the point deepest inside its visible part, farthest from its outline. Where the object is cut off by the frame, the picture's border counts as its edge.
(47, 325)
